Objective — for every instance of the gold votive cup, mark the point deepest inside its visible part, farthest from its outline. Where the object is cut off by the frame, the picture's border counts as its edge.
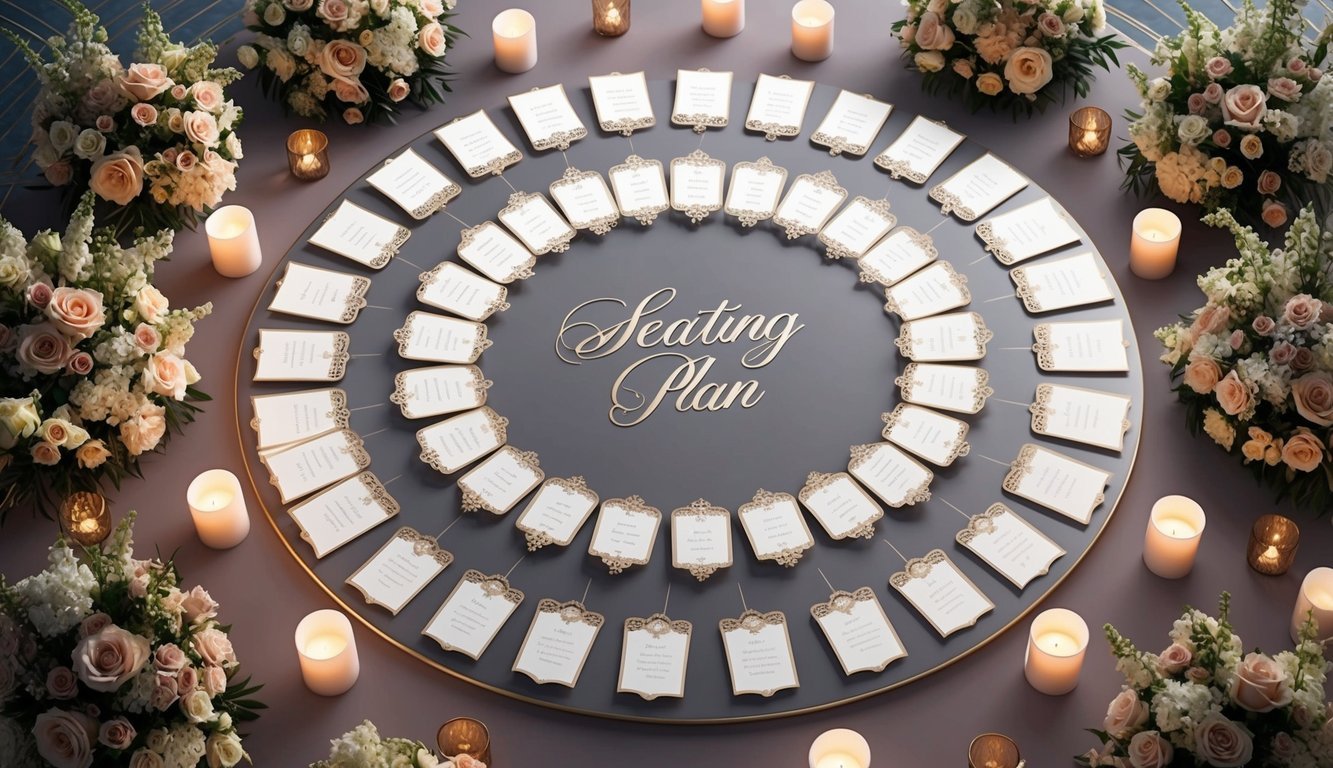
(1089, 131)
(308, 154)
(1273, 542)
(465, 736)
(993, 750)
(85, 517)
(610, 18)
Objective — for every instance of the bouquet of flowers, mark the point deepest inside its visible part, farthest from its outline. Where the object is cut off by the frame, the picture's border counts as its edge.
(1256, 361)
(363, 747)
(357, 58)
(1242, 118)
(1204, 701)
(157, 139)
(105, 661)
(94, 355)
(1014, 55)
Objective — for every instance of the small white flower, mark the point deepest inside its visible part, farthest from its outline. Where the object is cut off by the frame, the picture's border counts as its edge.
(248, 56)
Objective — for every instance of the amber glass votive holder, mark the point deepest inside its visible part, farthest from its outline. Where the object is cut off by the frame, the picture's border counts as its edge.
(610, 18)
(1089, 131)
(465, 736)
(1273, 541)
(85, 517)
(993, 750)
(308, 154)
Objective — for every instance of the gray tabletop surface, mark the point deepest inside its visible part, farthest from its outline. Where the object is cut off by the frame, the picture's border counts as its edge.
(930, 722)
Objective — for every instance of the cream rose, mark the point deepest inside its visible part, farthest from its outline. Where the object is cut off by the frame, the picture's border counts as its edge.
(198, 707)
(248, 56)
(43, 348)
(342, 60)
(1261, 684)
(1028, 70)
(432, 42)
(150, 304)
(433, 8)
(118, 177)
(1251, 146)
(65, 739)
(353, 116)
(92, 454)
(144, 430)
(215, 680)
(18, 419)
(62, 135)
(1158, 89)
(90, 144)
(223, 750)
(1192, 129)
(201, 128)
(63, 433)
(932, 34)
(1125, 714)
(142, 82)
(990, 83)
(214, 647)
(1313, 395)
(146, 758)
(399, 89)
(76, 312)
(1202, 375)
(274, 14)
(1303, 451)
(1232, 394)
(207, 95)
(929, 61)
(117, 733)
(106, 660)
(164, 374)
(198, 605)
(1222, 743)
(1244, 105)
(1149, 750)
(1232, 177)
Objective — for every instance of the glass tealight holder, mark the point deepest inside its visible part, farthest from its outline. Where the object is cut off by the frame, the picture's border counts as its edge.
(1089, 131)
(993, 750)
(308, 154)
(85, 517)
(610, 18)
(1273, 542)
(465, 736)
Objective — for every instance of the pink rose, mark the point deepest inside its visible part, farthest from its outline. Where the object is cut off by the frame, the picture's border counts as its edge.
(169, 658)
(144, 114)
(214, 647)
(299, 5)
(201, 128)
(1232, 394)
(1263, 325)
(9, 341)
(207, 95)
(431, 38)
(199, 606)
(179, 92)
(1282, 353)
(45, 453)
(59, 173)
(353, 116)
(1221, 138)
(351, 91)
(146, 338)
(1261, 685)
(1284, 88)
(1274, 213)
(1149, 750)
(399, 89)
(186, 161)
(164, 693)
(1174, 660)
(932, 34)
(1211, 319)
(42, 348)
(1125, 714)
(1212, 93)
(94, 624)
(187, 680)
(76, 312)
(1202, 375)
(342, 60)
(105, 123)
(39, 295)
(1244, 106)
(1222, 743)
(1296, 65)
(1051, 25)
(1314, 73)
(105, 97)
(1236, 339)
(65, 739)
(467, 761)
(1196, 104)
(1303, 360)
(1302, 452)
(1217, 67)
(1283, 747)
(1313, 395)
(142, 82)
(117, 733)
(118, 176)
(1269, 183)
(144, 430)
(62, 684)
(334, 12)
(1302, 311)
(106, 660)
(215, 681)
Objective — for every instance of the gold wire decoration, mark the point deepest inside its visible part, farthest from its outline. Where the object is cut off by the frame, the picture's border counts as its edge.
(1273, 542)
(308, 154)
(1089, 131)
(85, 517)
(465, 736)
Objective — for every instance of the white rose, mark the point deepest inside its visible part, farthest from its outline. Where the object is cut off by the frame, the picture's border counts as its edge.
(62, 135)
(1193, 129)
(965, 19)
(90, 144)
(929, 61)
(248, 56)
(1159, 89)
(150, 304)
(224, 750)
(1125, 714)
(198, 707)
(274, 14)
(1028, 70)
(18, 419)
(1075, 14)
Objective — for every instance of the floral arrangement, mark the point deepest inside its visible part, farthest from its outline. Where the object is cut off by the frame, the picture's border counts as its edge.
(105, 661)
(98, 353)
(357, 58)
(158, 139)
(1012, 55)
(1255, 363)
(1205, 701)
(1242, 118)
(363, 747)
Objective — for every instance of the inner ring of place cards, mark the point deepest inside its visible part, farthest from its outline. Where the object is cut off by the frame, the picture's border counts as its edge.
(557, 512)
(895, 257)
(462, 439)
(462, 292)
(640, 187)
(495, 253)
(440, 389)
(470, 617)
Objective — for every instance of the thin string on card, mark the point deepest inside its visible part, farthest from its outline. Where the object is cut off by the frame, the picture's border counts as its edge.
(956, 509)
(978, 261)
(515, 565)
(447, 527)
(1001, 297)
(388, 482)
(994, 461)
(565, 155)
(940, 223)
(376, 432)
(365, 407)
(1010, 402)
(895, 549)
(410, 264)
(826, 581)
(744, 607)
(584, 600)
(506, 181)
(367, 354)
(667, 601)
(461, 223)
(630, 139)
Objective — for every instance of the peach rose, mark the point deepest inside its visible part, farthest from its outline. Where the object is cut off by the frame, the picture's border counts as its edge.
(1269, 183)
(65, 739)
(990, 83)
(932, 34)
(431, 38)
(1196, 104)
(76, 312)
(1217, 67)
(1302, 311)
(431, 8)
(118, 177)
(201, 128)
(1212, 93)
(350, 91)
(1313, 395)
(142, 82)
(1274, 213)
(169, 658)
(59, 173)
(144, 430)
(39, 295)
(353, 116)
(1125, 714)
(334, 12)
(1028, 70)
(117, 733)
(150, 304)
(146, 338)
(1211, 319)
(186, 161)
(1232, 394)
(1244, 106)
(1202, 375)
(62, 684)
(399, 89)
(1174, 660)
(214, 647)
(1303, 360)
(1261, 685)
(1263, 325)
(342, 60)
(144, 114)
(45, 453)
(80, 364)
(108, 659)
(92, 454)
(1284, 88)
(42, 348)
(1149, 750)
(179, 92)
(1222, 743)
(1302, 452)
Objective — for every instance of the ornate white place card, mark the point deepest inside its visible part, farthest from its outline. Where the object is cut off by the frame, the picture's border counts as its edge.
(414, 184)
(700, 539)
(1057, 482)
(755, 191)
(319, 294)
(473, 613)
(935, 289)
(440, 339)
(500, 481)
(857, 228)
(1099, 345)
(315, 464)
(1062, 284)
(586, 201)
(896, 478)
(696, 184)
(852, 124)
(933, 436)
(920, 149)
(556, 513)
(976, 189)
(495, 253)
(625, 532)
(456, 442)
(548, 118)
(895, 257)
(841, 506)
(775, 527)
(958, 388)
(439, 389)
(360, 235)
(401, 568)
(477, 144)
(558, 642)
(344, 512)
(462, 291)
(1085, 416)
(958, 337)
(654, 657)
(1027, 232)
(809, 204)
(536, 223)
(622, 102)
(301, 355)
(1009, 544)
(858, 630)
(294, 417)
(944, 596)
(703, 99)
(759, 653)
(778, 106)
(640, 188)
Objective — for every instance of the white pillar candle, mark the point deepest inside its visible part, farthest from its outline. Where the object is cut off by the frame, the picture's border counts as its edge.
(515, 34)
(1316, 595)
(233, 241)
(840, 748)
(218, 508)
(723, 18)
(1057, 643)
(327, 649)
(812, 30)
(1172, 539)
(1154, 243)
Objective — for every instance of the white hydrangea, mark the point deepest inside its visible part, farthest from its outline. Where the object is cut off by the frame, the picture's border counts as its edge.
(117, 347)
(59, 597)
(1282, 124)
(185, 747)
